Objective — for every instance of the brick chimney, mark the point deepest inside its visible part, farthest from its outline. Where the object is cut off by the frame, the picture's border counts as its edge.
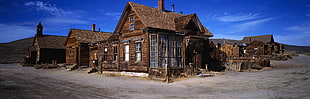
(93, 27)
(161, 5)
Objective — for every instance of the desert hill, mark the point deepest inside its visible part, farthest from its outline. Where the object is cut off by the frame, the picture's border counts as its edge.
(15, 51)
(297, 49)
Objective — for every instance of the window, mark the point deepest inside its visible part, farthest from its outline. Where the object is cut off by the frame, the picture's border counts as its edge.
(138, 51)
(132, 26)
(126, 52)
(154, 51)
(131, 21)
(164, 55)
(105, 52)
(171, 51)
(165, 50)
(179, 51)
(115, 53)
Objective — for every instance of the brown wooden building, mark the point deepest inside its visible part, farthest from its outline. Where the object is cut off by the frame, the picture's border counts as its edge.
(262, 45)
(251, 52)
(47, 48)
(148, 39)
(78, 45)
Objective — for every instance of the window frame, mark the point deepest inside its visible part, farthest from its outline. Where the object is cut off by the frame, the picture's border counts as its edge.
(138, 51)
(115, 54)
(131, 27)
(105, 52)
(171, 51)
(168, 51)
(154, 50)
(163, 51)
(179, 43)
(126, 52)
(132, 21)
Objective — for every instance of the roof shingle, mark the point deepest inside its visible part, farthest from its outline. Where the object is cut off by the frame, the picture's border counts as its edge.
(156, 18)
(263, 38)
(87, 36)
(51, 41)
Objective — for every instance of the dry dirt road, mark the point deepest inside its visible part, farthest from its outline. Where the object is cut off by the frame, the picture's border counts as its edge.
(287, 79)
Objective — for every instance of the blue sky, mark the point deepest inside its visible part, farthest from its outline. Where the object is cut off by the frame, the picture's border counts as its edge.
(287, 20)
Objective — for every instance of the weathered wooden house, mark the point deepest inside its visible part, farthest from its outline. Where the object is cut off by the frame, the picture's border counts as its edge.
(148, 39)
(78, 46)
(251, 52)
(47, 48)
(263, 45)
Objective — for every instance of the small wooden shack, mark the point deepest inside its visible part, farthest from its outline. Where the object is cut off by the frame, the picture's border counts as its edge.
(47, 48)
(152, 40)
(78, 45)
(262, 45)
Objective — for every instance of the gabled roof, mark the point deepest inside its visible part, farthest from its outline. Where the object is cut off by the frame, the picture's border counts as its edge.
(186, 21)
(87, 36)
(263, 38)
(51, 41)
(155, 18)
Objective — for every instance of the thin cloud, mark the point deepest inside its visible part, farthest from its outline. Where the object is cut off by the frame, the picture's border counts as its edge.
(47, 7)
(238, 18)
(300, 29)
(301, 39)
(249, 25)
(114, 15)
(297, 35)
(59, 17)
(62, 20)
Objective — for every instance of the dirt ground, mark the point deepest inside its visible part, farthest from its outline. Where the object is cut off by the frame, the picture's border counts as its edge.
(287, 79)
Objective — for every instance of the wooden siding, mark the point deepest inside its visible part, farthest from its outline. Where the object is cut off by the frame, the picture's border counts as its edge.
(137, 22)
(76, 53)
(132, 64)
(71, 55)
(71, 49)
(93, 56)
(257, 48)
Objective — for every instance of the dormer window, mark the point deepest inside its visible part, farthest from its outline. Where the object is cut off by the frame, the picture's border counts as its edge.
(131, 21)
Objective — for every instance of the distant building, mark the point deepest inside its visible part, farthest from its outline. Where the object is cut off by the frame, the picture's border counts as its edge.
(262, 45)
(245, 54)
(47, 48)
